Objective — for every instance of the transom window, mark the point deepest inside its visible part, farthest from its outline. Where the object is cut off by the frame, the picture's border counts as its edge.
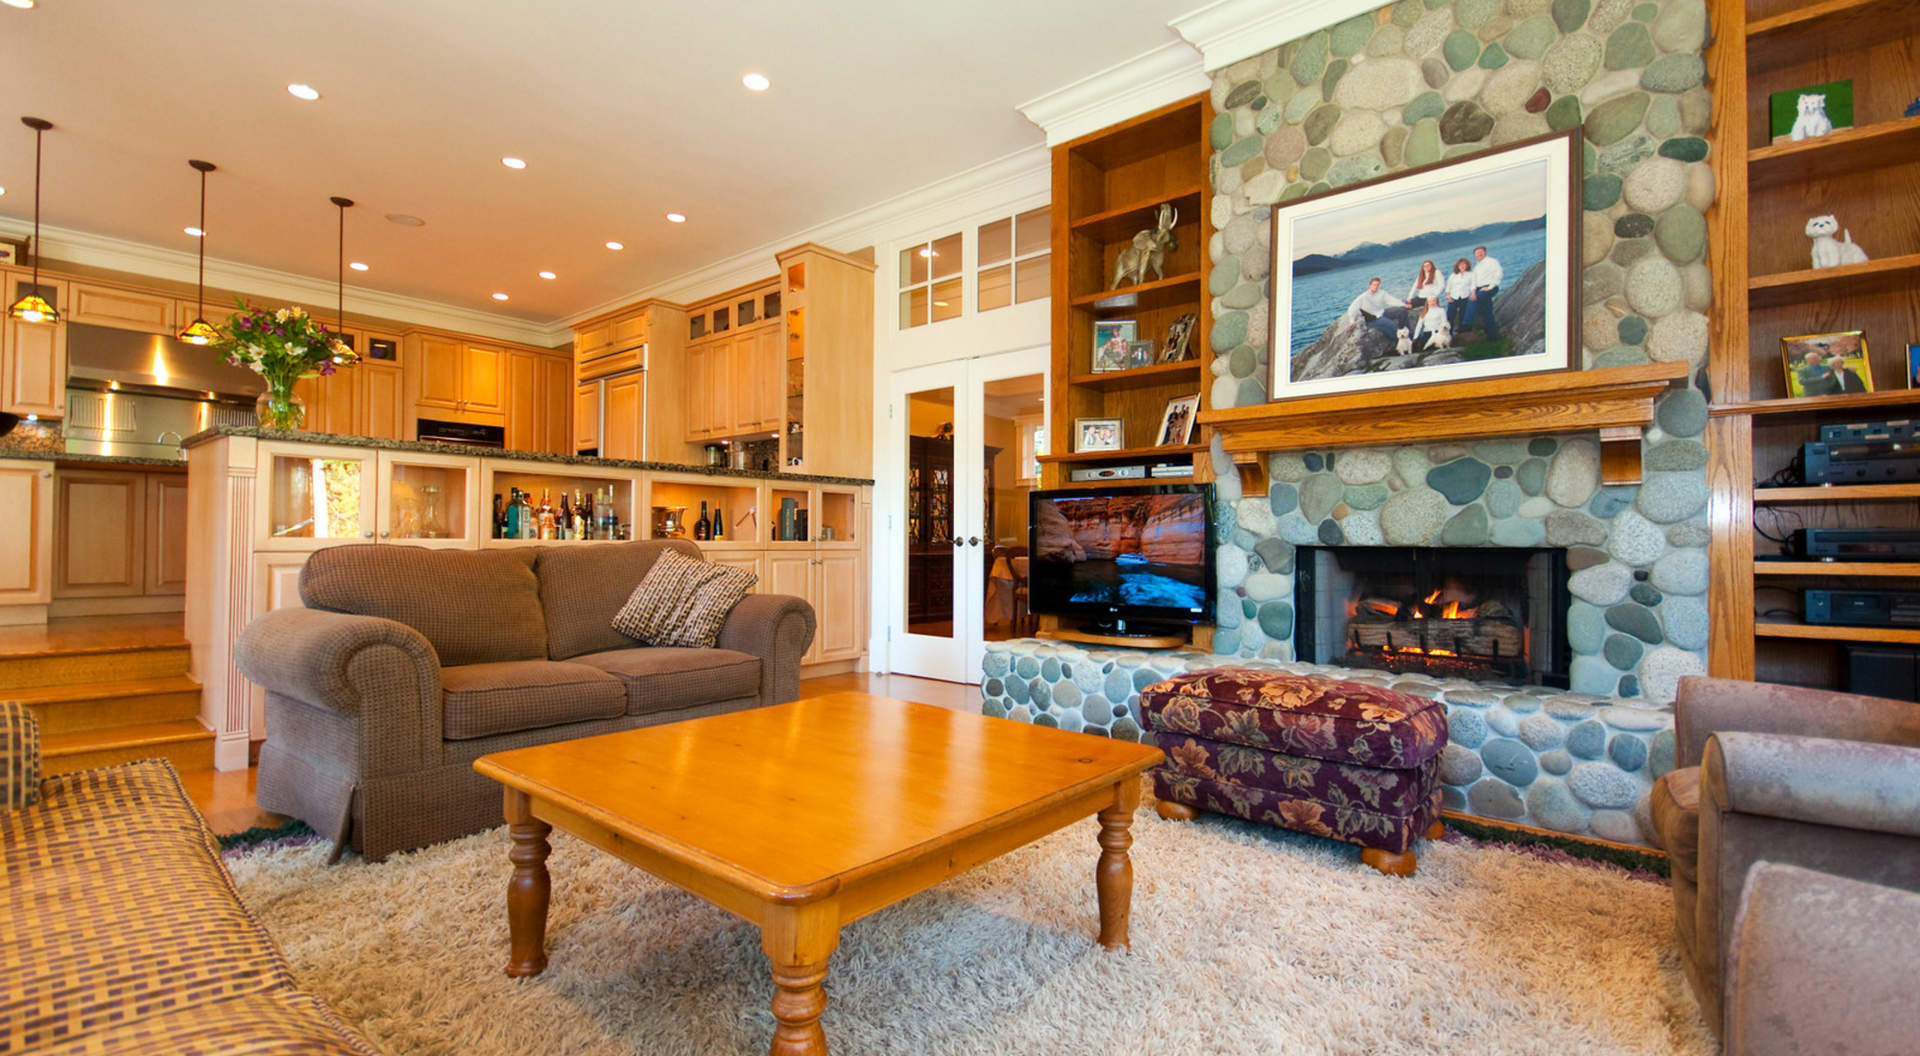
(931, 287)
(1015, 264)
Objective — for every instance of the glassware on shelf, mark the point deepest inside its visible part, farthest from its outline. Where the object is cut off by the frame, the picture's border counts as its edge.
(432, 526)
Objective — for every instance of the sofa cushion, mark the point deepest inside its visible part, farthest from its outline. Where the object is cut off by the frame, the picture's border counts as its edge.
(1304, 715)
(19, 757)
(481, 700)
(473, 606)
(1676, 818)
(682, 601)
(668, 678)
(583, 587)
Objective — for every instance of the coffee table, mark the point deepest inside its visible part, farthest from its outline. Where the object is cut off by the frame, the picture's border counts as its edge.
(805, 817)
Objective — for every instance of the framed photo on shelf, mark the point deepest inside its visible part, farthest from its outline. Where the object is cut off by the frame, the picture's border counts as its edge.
(1139, 353)
(1097, 434)
(1178, 421)
(1111, 338)
(13, 251)
(1826, 364)
(1179, 337)
(1913, 366)
(1457, 271)
(1810, 112)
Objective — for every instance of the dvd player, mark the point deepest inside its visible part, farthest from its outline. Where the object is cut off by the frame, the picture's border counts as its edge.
(1860, 462)
(1856, 544)
(1862, 608)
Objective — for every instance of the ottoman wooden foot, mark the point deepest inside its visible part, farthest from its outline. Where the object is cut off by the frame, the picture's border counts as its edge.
(1392, 864)
(1436, 830)
(1172, 811)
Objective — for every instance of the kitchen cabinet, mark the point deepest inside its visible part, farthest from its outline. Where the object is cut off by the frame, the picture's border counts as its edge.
(33, 356)
(26, 540)
(366, 399)
(125, 309)
(383, 401)
(539, 389)
(119, 533)
(556, 400)
(830, 582)
(166, 556)
(828, 304)
(626, 417)
(458, 380)
(439, 361)
(315, 496)
(700, 359)
(586, 418)
(482, 381)
(760, 367)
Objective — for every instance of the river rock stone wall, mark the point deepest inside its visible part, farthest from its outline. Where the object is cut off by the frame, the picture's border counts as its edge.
(1421, 81)
(1575, 763)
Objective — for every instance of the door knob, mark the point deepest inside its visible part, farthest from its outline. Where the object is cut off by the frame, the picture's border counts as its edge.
(973, 540)
(959, 541)
(384, 534)
(368, 534)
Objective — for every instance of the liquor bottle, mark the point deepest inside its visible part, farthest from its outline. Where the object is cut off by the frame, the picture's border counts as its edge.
(703, 528)
(520, 516)
(607, 518)
(719, 523)
(549, 525)
(582, 519)
(499, 517)
(512, 529)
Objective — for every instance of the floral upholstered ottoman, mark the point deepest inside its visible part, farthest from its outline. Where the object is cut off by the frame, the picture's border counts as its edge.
(1317, 755)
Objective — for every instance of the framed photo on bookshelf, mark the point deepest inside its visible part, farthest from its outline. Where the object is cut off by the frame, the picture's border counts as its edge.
(1810, 112)
(1913, 366)
(1140, 353)
(1178, 421)
(1098, 434)
(1179, 339)
(1112, 341)
(1826, 364)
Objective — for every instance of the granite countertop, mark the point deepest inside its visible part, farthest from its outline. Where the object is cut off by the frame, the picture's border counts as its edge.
(517, 456)
(117, 460)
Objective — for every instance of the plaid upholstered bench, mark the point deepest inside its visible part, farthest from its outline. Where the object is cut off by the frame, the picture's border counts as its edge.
(1316, 755)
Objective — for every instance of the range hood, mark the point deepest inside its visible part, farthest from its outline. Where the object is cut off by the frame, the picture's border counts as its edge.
(101, 357)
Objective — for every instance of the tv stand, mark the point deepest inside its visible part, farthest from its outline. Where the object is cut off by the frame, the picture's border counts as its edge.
(1117, 633)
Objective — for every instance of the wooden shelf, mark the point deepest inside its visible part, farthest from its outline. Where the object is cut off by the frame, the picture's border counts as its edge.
(1186, 370)
(1895, 569)
(1114, 225)
(1835, 24)
(1832, 633)
(1804, 17)
(1895, 142)
(1822, 406)
(1618, 401)
(1126, 453)
(1811, 284)
(1834, 493)
(1174, 289)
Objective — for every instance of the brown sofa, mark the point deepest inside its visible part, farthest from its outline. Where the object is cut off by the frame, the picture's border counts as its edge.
(1827, 781)
(124, 931)
(408, 664)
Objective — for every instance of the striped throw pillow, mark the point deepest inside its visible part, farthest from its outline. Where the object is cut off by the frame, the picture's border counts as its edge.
(681, 601)
(19, 757)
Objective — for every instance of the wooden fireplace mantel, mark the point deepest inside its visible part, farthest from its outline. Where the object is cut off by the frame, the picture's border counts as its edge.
(1615, 401)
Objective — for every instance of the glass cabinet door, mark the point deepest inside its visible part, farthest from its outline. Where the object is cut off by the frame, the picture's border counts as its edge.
(428, 500)
(312, 496)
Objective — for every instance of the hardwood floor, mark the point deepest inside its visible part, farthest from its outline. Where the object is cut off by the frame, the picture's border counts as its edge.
(227, 797)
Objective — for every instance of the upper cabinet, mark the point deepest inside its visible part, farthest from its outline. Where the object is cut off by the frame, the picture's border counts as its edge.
(615, 345)
(828, 306)
(539, 391)
(33, 356)
(149, 313)
(458, 380)
(733, 365)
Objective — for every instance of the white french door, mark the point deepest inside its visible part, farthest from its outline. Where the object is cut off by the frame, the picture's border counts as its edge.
(965, 434)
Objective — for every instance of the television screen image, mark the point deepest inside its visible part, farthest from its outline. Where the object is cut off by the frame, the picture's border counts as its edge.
(1127, 553)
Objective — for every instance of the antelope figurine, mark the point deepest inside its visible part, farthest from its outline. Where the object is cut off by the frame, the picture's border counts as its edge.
(1149, 250)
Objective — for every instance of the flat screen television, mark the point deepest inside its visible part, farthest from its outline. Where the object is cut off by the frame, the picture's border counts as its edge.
(1121, 554)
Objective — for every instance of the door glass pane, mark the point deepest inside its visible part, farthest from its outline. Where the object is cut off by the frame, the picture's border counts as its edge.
(929, 513)
(314, 498)
(1014, 433)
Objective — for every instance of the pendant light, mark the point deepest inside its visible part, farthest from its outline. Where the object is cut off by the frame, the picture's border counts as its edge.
(340, 309)
(34, 308)
(199, 332)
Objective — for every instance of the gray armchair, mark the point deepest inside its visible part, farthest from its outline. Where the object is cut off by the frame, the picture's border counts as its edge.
(408, 664)
(1828, 781)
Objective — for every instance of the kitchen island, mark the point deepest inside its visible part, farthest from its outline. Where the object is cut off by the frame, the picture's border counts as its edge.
(260, 501)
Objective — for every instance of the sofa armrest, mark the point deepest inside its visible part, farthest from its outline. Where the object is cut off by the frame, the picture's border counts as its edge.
(1707, 706)
(1842, 784)
(777, 628)
(1820, 963)
(320, 658)
(19, 757)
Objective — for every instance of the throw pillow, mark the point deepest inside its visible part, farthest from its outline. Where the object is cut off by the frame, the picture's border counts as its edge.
(681, 601)
(19, 757)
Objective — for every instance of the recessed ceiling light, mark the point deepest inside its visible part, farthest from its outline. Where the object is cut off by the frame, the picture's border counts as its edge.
(405, 220)
(513, 163)
(303, 91)
(21, 4)
(357, 266)
(499, 296)
(548, 275)
(676, 218)
(616, 245)
(756, 82)
(196, 232)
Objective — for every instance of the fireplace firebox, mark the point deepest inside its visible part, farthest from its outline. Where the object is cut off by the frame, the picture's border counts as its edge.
(1494, 614)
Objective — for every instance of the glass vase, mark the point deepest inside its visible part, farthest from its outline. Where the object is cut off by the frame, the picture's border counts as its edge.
(279, 408)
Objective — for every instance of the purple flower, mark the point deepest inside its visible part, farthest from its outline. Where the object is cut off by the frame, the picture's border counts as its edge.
(245, 323)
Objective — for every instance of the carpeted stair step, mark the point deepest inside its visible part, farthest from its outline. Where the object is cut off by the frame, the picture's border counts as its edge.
(103, 705)
(63, 667)
(185, 743)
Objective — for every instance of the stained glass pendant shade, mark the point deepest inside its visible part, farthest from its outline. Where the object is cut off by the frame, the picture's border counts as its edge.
(33, 308)
(199, 332)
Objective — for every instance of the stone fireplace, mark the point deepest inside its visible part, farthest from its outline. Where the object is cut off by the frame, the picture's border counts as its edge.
(1482, 614)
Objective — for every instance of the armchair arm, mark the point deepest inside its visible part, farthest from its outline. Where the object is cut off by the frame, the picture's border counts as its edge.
(1707, 706)
(19, 757)
(777, 628)
(1842, 784)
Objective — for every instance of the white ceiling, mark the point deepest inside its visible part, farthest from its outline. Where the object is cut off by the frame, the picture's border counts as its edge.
(623, 109)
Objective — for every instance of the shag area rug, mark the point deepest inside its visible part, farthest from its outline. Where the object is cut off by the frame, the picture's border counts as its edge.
(1245, 940)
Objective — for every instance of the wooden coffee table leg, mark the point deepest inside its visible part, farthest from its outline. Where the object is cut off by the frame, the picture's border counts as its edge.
(1113, 877)
(798, 940)
(528, 890)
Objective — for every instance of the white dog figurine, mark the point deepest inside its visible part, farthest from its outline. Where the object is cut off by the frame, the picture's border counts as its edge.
(1831, 252)
(1812, 121)
(1405, 343)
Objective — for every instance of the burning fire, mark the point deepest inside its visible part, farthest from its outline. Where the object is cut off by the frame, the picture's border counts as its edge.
(1424, 652)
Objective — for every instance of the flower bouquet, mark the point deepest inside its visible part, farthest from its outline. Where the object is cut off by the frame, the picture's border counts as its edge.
(282, 346)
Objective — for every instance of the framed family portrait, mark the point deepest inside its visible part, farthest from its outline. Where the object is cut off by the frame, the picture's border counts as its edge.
(1179, 339)
(1097, 434)
(1178, 421)
(1826, 364)
(1112, 343)
(1461, 270)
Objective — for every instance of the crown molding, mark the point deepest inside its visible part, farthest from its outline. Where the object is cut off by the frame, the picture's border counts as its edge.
(1168, 73)
(1020, 175)
(1230, 30)
(138, 258)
